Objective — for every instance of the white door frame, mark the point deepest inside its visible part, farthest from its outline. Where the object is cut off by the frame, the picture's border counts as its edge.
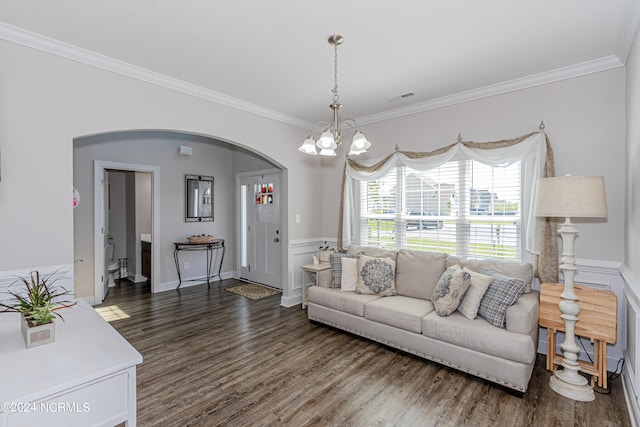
(98, 212)
(283, 249)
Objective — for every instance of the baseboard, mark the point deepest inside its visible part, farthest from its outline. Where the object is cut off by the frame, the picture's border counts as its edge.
(192, 281)
(290, 301)
(629, 397)
(88, 300)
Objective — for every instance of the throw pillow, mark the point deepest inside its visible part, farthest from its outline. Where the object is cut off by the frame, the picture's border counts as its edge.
(376, 276)
(450, 289)
(349, 274)
(502, 293)
(471, 300)
(335, 260)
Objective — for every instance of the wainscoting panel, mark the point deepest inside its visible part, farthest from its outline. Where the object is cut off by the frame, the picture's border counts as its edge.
(61, 275)
(301, 252)
(631, 375)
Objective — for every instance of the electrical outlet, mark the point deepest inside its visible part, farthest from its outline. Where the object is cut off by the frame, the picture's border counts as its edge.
(186, 266)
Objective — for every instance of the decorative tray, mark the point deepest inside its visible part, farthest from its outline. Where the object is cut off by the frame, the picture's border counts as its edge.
(200, 239)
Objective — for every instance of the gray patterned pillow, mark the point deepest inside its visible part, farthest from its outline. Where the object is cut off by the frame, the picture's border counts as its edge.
(376, 276)
(502, 293)
(450, 289)
(336, 268)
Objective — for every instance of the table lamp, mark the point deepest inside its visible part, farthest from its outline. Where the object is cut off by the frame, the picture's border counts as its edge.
(578, 197)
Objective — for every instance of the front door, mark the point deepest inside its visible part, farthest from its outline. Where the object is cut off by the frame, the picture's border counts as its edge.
(260, 229)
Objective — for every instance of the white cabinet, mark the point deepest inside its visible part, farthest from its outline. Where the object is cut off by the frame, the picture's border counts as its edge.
(87, 377)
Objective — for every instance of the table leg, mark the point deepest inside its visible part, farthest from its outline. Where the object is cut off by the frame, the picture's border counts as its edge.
(603, 362)
(304, 290)
(175, 258)
(551, 348)
(209, 261)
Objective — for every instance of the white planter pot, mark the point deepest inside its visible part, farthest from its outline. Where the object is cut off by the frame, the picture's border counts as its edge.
(37, 335)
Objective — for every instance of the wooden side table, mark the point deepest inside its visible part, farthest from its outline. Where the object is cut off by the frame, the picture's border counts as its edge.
(308, 270)
(597, 321)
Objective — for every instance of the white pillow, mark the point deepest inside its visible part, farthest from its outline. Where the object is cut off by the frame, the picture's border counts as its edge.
(471, 300)
(349, 274)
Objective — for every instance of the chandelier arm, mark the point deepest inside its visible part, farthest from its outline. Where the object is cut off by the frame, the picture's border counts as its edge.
(351, 123)
(315, 125)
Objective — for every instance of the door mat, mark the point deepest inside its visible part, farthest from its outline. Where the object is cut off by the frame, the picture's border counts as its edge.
(252, 291)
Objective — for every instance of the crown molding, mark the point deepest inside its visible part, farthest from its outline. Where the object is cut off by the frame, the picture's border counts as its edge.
(74, 53)
(584, 68)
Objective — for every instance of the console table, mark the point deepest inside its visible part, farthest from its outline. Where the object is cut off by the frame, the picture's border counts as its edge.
(86, 377)
(216, 245)
(597, 321)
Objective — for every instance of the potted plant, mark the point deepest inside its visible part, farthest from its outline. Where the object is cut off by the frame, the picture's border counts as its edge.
(37, 304)
(324, 253)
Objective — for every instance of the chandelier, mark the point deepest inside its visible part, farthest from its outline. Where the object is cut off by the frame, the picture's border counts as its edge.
(331, 136)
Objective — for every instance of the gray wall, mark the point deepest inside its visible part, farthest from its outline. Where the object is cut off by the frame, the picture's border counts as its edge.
(585, 121)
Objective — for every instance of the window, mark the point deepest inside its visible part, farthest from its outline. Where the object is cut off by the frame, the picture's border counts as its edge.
(463, 208)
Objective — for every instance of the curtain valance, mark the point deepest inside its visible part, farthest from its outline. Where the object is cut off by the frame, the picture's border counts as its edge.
(533, 150)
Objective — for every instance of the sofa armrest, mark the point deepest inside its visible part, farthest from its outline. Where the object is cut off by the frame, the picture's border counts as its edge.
(324, 279)
(522, 317)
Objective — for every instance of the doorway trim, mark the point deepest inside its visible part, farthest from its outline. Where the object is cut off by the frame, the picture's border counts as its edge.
(98, 211)
(284, 247)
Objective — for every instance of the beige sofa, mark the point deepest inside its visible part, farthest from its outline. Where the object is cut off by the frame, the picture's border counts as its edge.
(408, 321)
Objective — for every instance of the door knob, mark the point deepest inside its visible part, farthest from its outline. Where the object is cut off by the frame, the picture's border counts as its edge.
(276, 240)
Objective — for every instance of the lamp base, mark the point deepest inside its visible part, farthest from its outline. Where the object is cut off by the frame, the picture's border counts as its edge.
(579, 392)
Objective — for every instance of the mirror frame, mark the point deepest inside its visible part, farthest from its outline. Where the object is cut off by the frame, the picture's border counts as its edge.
(187, 200)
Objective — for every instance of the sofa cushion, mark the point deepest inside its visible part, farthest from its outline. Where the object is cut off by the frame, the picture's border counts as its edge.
(478, 335)
(376, 276)
(349, 280)
(399, 311)
(501, 294)
(348, 302)
(371, 251)
(471, 300)
(450, 289)
(522, 271)
(335, 260)
(417, 272)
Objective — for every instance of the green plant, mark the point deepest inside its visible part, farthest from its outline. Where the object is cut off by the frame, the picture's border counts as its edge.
(39, 299)
(325, 247)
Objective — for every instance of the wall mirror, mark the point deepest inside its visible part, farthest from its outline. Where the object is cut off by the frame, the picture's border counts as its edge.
(199, 198)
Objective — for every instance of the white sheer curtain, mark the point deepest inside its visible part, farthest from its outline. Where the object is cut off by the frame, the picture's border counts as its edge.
(532, 152)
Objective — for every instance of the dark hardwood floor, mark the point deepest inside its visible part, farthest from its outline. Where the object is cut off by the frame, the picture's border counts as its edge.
(215, 358)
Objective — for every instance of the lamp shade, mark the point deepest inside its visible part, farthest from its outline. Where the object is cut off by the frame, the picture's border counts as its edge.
(308, 146)
(571, 196)
(326, 141)
(359, 144)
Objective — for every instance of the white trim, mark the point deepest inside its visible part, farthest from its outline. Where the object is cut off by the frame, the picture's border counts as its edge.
(74, 53)
(61, 274)
(193, 281)
(577, 70)
(331, 241)
(99, 167)
(631, 378)
(629, 398)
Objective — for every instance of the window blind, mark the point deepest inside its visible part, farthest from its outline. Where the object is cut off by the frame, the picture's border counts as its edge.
(462, 207)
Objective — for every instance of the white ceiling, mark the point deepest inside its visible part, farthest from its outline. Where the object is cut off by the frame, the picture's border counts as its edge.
(274, 53)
